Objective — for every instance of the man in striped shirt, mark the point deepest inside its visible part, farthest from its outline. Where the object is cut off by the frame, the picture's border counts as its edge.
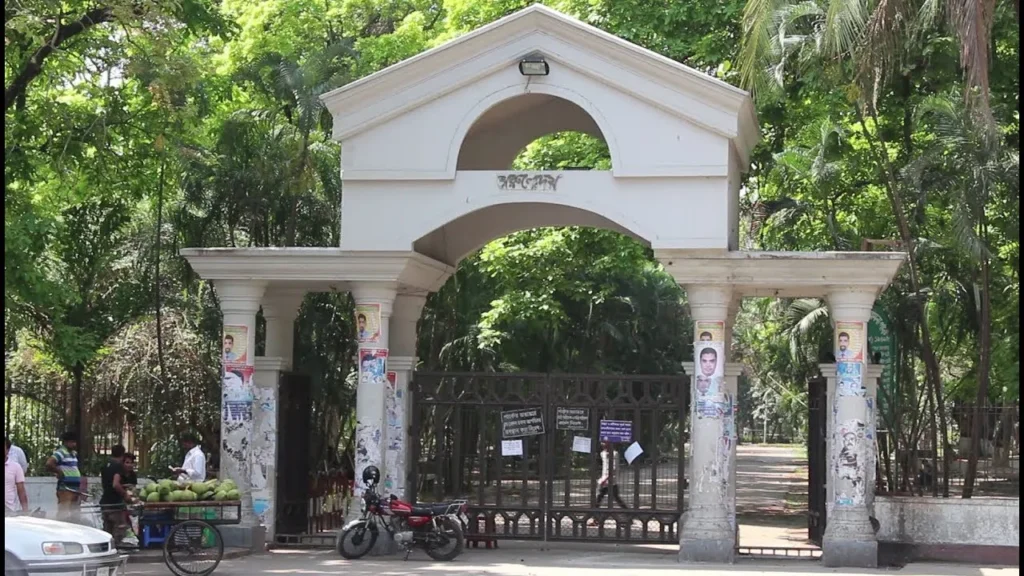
(64, 465)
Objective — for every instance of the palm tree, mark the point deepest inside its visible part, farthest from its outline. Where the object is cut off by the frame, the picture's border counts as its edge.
(872, 38)
(968, 164)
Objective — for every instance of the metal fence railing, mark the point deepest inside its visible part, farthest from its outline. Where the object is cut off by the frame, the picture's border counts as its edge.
(911, 462)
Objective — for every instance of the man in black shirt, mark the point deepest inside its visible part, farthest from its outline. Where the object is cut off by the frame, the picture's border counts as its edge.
(114, 494)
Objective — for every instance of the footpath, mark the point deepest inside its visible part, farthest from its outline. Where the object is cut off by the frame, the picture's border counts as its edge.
(519, 559)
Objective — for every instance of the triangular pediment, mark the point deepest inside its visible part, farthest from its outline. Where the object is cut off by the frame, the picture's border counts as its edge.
(642, 74)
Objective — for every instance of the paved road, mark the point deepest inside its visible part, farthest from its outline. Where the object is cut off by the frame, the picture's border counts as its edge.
(766, 476)
(531, 561)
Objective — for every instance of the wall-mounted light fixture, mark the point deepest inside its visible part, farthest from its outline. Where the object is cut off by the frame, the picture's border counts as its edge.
(534, 66)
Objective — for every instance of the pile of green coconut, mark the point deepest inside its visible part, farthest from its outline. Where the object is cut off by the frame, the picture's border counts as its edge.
(176, 491)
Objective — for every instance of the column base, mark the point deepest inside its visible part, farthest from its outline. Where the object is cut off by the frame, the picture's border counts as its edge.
(849, 540)
(253, 538)
(384, 546)
(840, 553)
(707, 551)
(705, 539)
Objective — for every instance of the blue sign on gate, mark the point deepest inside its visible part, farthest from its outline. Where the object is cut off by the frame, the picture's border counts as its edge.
(616, 431)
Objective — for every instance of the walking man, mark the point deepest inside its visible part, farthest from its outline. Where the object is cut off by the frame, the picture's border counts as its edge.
(64, 465)
(16, 455)
(609, 471)
(15, 498)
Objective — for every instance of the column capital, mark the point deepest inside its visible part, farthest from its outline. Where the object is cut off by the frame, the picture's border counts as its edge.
(709, 302)
(270, 364)
(382, 293)
(827, 370)
(239, 296)
(851, 304)
(283, 303)
(733, 369)
(402, 363)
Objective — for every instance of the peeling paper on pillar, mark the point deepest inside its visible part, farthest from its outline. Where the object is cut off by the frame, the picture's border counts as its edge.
(264, 452)
(394, 422)
(236, 421)
(850, 447)
(368, 439)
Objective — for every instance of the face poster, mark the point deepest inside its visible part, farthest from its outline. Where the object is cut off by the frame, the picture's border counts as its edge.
(849, 341)
(236, 393)
(710, 331)
(709, 360)
(236, 342)
(373, 365)
(368, 323)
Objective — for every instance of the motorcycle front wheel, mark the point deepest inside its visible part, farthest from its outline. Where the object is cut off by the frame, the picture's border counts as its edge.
(450, 543)
(357, 541)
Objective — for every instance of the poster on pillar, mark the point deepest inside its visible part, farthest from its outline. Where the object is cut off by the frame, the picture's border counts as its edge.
(850, 379)
(373, 366)
(710, 331)
(236, 344)
(709, 368)
(237, 393)
(849, 341)
(368, 323)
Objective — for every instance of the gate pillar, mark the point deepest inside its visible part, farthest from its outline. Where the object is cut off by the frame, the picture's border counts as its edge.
(398, 402)
(374, 303)
(707, 535)
(280, 308)
(849, 539)
(239, 303)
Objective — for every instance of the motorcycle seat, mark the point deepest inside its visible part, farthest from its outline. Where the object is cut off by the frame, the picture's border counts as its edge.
(430, 509)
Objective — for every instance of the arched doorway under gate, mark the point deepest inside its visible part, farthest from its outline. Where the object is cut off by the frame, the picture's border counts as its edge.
(426, 152)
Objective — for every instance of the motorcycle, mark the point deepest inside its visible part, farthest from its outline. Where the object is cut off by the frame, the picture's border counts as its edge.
(437, 528)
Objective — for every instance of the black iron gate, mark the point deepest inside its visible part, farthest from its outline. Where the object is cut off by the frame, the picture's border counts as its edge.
(550, 491)
(294, 406)
(817, 468)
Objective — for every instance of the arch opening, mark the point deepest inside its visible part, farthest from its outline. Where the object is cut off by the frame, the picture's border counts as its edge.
(498, 137)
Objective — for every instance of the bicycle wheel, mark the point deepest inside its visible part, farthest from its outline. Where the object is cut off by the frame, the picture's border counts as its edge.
(193, 548)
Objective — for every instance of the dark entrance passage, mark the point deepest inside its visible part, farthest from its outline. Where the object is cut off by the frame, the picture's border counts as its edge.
(543, 484)
(817, 432)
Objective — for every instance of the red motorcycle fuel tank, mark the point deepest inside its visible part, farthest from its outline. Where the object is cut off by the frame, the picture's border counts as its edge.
(401, 508)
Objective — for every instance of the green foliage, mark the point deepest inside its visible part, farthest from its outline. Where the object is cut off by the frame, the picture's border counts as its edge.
(199, 124)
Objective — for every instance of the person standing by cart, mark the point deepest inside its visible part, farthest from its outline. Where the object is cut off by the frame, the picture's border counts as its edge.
(193, 469)
(63, 464)
(115, 495)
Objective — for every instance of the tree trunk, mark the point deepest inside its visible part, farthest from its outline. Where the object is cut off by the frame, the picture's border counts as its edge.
(78, 411)
(931, 363)
(984, 359)
(156, 287)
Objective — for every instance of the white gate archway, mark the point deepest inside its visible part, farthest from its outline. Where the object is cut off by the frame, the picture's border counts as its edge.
(427, 146)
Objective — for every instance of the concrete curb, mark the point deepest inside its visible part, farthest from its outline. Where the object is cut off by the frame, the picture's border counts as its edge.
(157, 556)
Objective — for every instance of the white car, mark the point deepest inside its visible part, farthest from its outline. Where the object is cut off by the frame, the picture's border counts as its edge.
(37, 546)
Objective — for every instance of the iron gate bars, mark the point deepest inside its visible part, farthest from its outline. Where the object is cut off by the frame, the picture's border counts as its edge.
(549, 489)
